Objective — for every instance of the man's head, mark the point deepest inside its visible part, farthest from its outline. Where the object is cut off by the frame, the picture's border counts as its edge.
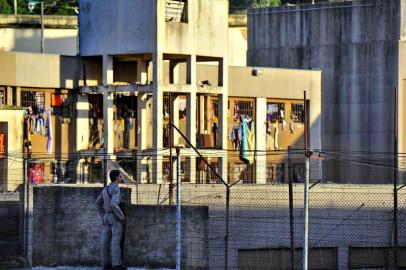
(115, 176)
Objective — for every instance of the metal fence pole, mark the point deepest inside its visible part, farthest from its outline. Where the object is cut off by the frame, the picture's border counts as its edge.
(178, 211)
(306, 193)
(395, 185)
(42, 28)
(291, 222)
(227, 228)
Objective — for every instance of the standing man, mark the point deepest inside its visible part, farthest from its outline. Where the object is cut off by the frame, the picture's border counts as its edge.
(113, 220)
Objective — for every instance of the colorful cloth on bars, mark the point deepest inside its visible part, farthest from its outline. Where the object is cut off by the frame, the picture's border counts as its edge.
(49, 134)
(247, 141)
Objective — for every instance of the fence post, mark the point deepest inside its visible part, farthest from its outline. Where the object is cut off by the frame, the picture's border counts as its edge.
(306, 192)
(178, 211)
(227, 228)
(395, 185)
(291, 217)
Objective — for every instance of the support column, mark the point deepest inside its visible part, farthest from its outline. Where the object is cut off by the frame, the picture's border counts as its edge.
(107, 69)
(191, 126)
(157, 116)
(18, 96)
(260, 138)
(142, 71)
(82, 122)
(222, 111)
(9, 100)
(108, 123)
(141, 138)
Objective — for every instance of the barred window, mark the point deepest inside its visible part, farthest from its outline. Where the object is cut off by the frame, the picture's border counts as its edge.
(3, 97)
(32, 99)
(298, 113)
(275, 173)
(246, 108)
(275, 112)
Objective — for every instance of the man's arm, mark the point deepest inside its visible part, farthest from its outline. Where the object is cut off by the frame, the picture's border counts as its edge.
(115, 200)
(99, 204)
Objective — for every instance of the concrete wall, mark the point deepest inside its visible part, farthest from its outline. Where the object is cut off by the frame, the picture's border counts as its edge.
(57, 41)
(356, 45)
(39, 70)
(66, 228)
(133, 30)
(237, 46)
(13, 167)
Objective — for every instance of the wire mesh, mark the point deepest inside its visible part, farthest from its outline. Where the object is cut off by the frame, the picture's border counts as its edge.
(235, 226)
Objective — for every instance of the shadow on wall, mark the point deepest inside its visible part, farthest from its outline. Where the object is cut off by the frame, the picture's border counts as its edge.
(29, 40)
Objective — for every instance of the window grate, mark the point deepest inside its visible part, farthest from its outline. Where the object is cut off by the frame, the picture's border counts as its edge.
(3, 96)
(275, 112)
(297, 113)
(33, 99)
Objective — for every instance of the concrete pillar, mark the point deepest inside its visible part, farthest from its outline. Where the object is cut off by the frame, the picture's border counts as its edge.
(82, 122)
(222, 129)
(141, 138)
(157, 111)
(142, 75)
(9, 100)
(191, 70)
(157, 117)
(18, 96)
(107, 69)
(191, 134)
(108, 123)
(175, 119)
(260, 137)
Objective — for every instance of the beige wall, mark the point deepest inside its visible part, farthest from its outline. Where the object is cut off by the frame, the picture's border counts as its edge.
(237, 46)
(39, 70)
(14, 120)
(57, 41)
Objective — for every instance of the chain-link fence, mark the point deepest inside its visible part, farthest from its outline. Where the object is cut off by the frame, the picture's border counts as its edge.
(47, 212)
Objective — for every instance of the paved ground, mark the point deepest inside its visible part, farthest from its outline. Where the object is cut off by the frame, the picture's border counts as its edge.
(84, 268)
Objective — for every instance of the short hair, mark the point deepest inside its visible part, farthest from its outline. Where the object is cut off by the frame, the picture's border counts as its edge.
(114, 174)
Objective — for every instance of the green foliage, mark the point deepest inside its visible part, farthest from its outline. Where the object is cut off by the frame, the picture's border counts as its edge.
(266, 3)
(5, 7)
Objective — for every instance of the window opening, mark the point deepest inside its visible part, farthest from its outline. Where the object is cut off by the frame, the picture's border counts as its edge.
(275, 112)
(3, 96)
(33, 99)
(176, 11)
(297, 113)
(275, 173)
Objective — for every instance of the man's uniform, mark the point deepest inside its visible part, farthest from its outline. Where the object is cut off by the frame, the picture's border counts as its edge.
(108, 205)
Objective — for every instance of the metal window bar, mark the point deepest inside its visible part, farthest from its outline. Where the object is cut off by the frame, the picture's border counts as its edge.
(32, 99)
(246, 108)
(297, 112)
(3, 96)
(275, 173)
(276, 113)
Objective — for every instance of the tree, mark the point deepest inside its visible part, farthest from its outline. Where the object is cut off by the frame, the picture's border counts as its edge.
(5, 7)
(266, 3)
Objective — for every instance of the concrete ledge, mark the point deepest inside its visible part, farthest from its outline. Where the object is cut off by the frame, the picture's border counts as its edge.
(34, 21)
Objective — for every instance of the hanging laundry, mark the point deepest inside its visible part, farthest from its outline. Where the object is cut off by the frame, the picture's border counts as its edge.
(269, 122)
(236, 111)
(284, 124)
(49, 135)
(236, 137)
(281, 114)
(247, 140)
(276, 133)
(292, 123)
